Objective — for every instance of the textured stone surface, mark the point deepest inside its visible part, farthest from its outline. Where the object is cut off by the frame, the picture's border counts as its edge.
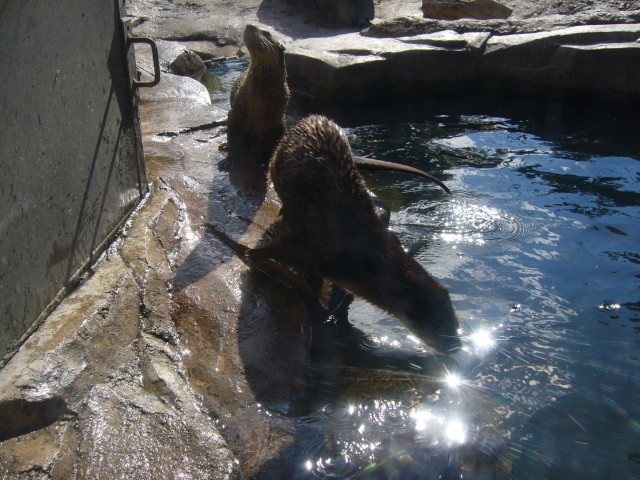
(456, 9)
(339, 12)
(599, 58)
(351, 66)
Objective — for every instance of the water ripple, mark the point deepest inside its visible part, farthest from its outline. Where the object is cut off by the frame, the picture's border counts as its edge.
(462, 222)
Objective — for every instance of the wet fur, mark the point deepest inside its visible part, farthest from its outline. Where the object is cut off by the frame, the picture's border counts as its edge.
(259, 98)
(331, 230)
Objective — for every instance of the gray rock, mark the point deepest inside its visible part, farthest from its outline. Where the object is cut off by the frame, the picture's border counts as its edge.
(350, 66)
(456, 9)
(188, 64)
(585, 57)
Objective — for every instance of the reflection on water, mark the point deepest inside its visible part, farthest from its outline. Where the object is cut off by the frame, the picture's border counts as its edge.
(219, 79)
(538, 244)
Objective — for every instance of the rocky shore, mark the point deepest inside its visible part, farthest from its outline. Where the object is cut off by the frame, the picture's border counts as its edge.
(161, 362)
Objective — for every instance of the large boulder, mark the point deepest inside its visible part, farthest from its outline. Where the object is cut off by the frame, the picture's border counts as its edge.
(457, 9)
(586, 57)
(354, 67)
(350, 66)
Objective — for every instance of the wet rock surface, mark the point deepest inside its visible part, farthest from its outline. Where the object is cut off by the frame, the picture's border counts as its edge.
(164, 361)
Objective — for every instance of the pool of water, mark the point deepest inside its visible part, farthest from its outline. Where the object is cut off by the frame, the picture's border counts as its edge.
(538, 245)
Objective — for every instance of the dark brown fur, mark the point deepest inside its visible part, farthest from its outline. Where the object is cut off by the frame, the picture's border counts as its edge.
(331, 230)
(259, 98)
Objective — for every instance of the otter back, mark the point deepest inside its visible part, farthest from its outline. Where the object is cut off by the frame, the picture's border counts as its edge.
(331, 230)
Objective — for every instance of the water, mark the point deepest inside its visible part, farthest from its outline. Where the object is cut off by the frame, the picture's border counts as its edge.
(538, 245)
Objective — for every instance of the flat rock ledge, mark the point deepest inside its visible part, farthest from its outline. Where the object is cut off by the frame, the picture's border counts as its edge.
(586, 58)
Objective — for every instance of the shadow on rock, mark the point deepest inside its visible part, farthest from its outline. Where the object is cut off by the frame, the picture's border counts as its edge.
(294, 20)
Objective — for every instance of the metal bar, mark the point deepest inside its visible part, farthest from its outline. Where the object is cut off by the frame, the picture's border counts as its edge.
(156, 61)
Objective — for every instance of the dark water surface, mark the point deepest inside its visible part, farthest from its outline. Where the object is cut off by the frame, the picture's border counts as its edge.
(539, 246)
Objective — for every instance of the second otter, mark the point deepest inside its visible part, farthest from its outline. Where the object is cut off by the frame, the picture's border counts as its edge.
(331, 230)
(259, 98)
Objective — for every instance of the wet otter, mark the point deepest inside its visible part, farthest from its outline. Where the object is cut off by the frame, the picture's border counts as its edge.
(259, 98)
(330, 230)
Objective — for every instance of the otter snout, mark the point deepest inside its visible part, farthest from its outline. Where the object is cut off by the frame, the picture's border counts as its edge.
(447, 343)
(445, 340)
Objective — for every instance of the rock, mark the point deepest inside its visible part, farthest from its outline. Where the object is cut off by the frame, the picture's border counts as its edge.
(349, 12)
(582, 66)
(410, 25)
(341, 12)
(207, 50)
(354, 67)
(134, 373)
(188, 64)
(98, 391)
(350, 66)
(585, 57)
(456, 9)
(178, 105)
(227, 51)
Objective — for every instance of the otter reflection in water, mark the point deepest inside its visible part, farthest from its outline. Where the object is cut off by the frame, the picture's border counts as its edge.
(329, 229)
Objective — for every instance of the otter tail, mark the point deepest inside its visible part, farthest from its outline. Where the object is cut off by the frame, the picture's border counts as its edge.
(366, 163)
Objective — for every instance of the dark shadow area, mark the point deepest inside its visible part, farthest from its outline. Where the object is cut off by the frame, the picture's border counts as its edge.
(294, 359)
(19, 417)
(345, 364)
(294, 19)
(569, 120)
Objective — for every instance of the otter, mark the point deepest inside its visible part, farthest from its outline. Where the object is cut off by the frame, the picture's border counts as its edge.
(330, 229)
(259, 98)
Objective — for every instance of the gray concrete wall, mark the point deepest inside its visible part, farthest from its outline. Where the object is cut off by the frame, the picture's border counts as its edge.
(70, 164)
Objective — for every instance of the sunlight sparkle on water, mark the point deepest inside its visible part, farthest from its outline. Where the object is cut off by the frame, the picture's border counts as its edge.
(482, 339)
(453, 380)
(422, 418)
(456, 432)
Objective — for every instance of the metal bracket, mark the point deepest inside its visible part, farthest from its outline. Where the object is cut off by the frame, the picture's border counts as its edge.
(156, 61)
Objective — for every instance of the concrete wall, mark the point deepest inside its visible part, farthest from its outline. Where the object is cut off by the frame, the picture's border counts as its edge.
(70, 163)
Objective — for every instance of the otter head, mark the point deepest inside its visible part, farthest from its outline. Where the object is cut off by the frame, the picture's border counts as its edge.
(262, 47)
(429, 313)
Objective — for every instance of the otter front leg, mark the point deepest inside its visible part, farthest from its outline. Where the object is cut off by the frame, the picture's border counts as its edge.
(284, 248)
(278, 255)
(261, 258)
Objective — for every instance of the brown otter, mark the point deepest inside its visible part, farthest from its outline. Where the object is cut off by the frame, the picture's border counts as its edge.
(259, 98)
(330, 230)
